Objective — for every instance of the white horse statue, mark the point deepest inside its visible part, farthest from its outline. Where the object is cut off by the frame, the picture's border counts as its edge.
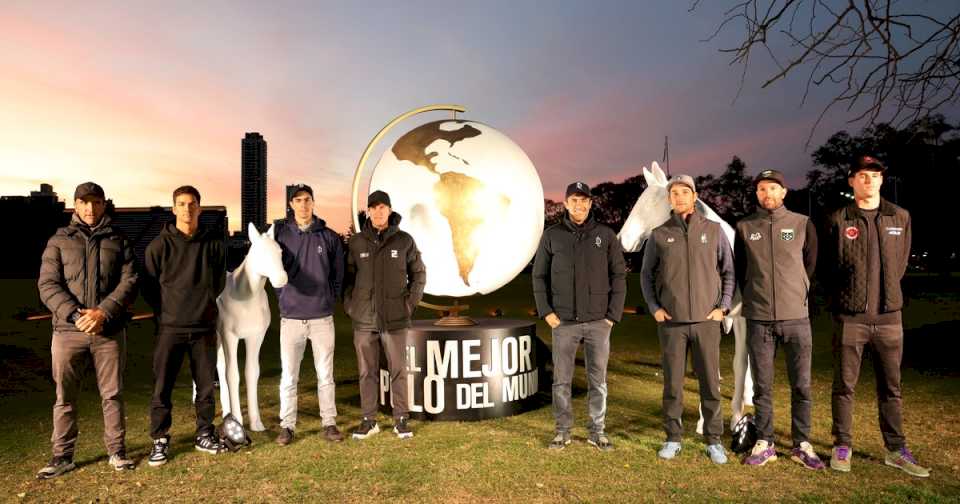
(653, 209)
(245, 315)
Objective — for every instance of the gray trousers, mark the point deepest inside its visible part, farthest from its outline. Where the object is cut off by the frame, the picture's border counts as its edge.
(886, 341)
(596, 352)
(763, 339)
(703, 339)
(294, 335)
(368, 344)
(71, 353)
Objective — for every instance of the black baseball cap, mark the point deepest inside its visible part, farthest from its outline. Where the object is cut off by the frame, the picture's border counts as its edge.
(377, 197)
(866, 163)
(771, 175)
(578, 188)
(301, 188)
(88, 189)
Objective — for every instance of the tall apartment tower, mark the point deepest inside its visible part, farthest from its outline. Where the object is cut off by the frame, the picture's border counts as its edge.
(253, 182)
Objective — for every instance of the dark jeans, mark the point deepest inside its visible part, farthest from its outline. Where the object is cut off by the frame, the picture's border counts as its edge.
(703, 338)
(367, 344)
(596, 352)
(763, 339)
(71, 353)
(886, 343)
(168, 354)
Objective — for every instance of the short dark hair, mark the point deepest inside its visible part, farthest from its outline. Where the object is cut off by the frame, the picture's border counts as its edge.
(187, 189)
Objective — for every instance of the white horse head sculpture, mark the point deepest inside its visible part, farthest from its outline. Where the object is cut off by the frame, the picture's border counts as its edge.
(245, 315)
(653, 209)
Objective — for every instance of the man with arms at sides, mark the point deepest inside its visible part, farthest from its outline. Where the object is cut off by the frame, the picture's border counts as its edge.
(579, 283)
(867, 250)
(314, 261)
(88, 279)
(185, 270)
(688, 282)
(383, 284)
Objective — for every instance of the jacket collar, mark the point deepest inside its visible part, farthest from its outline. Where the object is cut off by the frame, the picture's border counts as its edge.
(78, 226)
(775, 214)
(393, 225)
(586, 227)
(316, 225)
(852, 211)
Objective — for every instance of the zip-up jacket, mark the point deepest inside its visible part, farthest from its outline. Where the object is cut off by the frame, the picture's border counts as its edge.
(385, 278)
(846, 256)
(688, 269)
(314, 262)
(775, 253)
(184, 276)
(579, 272)
(85, 267)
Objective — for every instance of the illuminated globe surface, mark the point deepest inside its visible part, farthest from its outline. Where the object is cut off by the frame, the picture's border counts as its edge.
(472, 200)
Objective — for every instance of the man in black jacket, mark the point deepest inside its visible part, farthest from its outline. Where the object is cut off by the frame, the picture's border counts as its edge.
(87, 280)
(866, 251)
(185, 269)
(382, 286)
(579, 283)
(688, 281)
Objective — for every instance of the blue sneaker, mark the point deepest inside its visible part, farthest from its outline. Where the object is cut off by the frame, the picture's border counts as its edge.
(670, 449)
(717, 454)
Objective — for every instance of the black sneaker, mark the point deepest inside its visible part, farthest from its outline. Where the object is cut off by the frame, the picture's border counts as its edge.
(401, 429)
(158, 455)
(367, 428)
(208, 443)
(600, 440)
(560, 441)
(119, 462)
(56, 467)
(285, 437)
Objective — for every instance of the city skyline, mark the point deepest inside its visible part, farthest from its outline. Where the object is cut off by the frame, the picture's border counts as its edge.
(144, 98)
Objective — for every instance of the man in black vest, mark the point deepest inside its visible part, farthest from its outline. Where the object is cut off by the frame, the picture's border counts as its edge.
(867, 250)
(775, 255)
(688, 281)
(579, 283)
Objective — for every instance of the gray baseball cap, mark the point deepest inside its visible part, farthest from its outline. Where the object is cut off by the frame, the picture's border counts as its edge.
(88, 189)
(686, 180)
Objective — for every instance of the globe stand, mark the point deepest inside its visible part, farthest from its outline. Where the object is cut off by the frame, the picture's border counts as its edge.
(450, 315)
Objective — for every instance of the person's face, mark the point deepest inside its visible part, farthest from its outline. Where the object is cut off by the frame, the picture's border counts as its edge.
(579, 207)
(379, 215)
(186, 208)
(302, 205)
(90, 209)
(866, 183)
(770, 194)
(682, 199)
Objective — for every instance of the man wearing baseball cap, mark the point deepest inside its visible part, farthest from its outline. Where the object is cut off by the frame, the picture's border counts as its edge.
(775, 254)
(313, 258)
(88, 279)
(688, 281)
(579, 284)
(384, 282)
(866, 251)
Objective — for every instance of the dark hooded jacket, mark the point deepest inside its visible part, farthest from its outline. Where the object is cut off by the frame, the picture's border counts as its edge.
(84, 267)
(385, 278)
(314, 262)
(183, 277)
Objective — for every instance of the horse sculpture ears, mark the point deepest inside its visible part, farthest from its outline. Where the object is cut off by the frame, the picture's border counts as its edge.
(270, 232)
(252, 232)
(654, 176)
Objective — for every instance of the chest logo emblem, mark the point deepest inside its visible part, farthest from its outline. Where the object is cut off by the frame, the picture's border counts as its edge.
(598, 242)
(364, 255)
(703, 237)
(787, 234)
(755, 236)
(670, 240)
(851, 232)
(894, 231)
(394, 254)
(319, 249)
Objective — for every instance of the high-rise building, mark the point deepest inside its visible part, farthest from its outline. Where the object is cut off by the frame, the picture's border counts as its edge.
(253, 182)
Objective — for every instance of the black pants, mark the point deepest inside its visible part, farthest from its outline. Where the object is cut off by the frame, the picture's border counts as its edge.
(168, 354)
(703, 339)
(368, 344)
(763, 339)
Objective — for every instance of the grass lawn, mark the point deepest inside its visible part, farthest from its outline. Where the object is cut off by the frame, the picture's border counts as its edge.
(495, 460)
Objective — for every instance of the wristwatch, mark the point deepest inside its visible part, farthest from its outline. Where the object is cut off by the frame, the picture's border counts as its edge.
(72, 318)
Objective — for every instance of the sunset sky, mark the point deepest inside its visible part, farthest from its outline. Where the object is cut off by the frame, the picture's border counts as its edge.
(145, 98)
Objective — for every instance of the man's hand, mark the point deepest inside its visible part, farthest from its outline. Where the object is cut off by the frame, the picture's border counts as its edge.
(552, 320)
(661, 315)
(91, 320)
(715, 314)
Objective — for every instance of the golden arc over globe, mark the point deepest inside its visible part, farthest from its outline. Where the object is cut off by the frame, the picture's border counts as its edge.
(470, 197)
